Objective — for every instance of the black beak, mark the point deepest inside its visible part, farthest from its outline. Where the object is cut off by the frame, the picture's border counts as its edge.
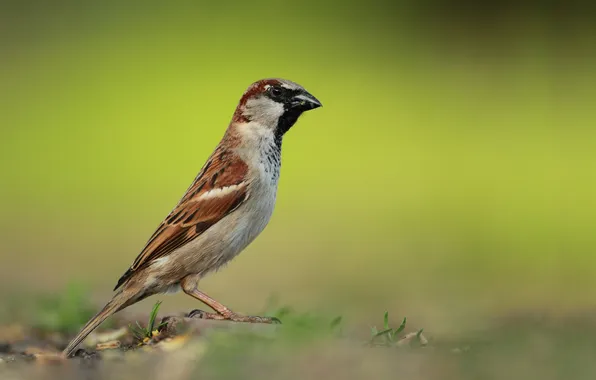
(305, 101)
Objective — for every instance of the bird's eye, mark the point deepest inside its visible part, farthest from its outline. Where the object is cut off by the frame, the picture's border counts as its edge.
(275, 91)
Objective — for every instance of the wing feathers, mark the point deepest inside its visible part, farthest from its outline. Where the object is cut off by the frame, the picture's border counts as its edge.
(218, 190)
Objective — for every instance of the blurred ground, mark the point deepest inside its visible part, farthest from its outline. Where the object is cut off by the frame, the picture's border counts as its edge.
(448, 177)
(519, 347)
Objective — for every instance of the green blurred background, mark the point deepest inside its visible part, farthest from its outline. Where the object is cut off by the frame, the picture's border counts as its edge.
(449, 175)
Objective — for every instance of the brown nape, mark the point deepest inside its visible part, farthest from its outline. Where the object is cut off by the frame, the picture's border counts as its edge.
(254, 89)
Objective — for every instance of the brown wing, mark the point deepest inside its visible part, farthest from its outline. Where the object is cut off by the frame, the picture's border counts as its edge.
(218, 190)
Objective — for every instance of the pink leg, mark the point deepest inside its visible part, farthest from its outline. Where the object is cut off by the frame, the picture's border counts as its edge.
(189, 286)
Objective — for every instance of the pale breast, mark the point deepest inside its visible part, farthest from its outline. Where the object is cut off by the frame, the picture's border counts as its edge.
(254, 215)
(226, 239)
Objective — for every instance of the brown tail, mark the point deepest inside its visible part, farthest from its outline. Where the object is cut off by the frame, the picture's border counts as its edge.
(119, 301)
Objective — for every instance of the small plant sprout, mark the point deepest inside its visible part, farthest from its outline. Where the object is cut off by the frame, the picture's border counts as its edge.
(144, 334)
(335, 325)
(390, 336)
(335, 322)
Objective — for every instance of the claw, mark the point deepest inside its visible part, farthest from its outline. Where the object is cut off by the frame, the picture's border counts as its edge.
(200, 314)
(196, 313)
(252, 319)
(275, 320)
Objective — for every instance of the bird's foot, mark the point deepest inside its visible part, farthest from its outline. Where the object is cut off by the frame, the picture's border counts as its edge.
(200, 314)
(231, 316)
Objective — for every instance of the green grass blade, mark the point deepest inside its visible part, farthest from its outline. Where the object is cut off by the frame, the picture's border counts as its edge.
(384, 332)
(335, 322)
(401, 327)
(153, 316)
(136, 332)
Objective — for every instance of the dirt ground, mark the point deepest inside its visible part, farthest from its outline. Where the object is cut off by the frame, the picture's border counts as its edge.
(526, 346)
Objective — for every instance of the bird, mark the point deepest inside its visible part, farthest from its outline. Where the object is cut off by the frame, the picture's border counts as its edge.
(225, 208)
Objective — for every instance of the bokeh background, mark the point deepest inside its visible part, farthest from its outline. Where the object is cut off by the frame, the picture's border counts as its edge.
(450, 174)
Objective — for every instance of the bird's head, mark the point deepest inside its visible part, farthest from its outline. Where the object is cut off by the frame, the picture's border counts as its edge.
(274, 105)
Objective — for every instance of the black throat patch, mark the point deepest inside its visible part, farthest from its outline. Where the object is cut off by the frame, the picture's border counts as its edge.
(285, 122)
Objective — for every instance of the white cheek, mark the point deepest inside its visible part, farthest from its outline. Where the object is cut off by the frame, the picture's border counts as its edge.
(277, 110)
(264, 111)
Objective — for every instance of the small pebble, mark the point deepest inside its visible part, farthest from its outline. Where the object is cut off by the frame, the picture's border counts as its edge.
(173, 344)
(412, 337)
(5, 347)
(49, 358)
(108, 345)
(105, 336)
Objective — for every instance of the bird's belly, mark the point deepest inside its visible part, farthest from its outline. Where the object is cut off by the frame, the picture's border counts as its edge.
(224, 240)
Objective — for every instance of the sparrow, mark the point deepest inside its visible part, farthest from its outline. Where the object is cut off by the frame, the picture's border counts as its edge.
(226, 207)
